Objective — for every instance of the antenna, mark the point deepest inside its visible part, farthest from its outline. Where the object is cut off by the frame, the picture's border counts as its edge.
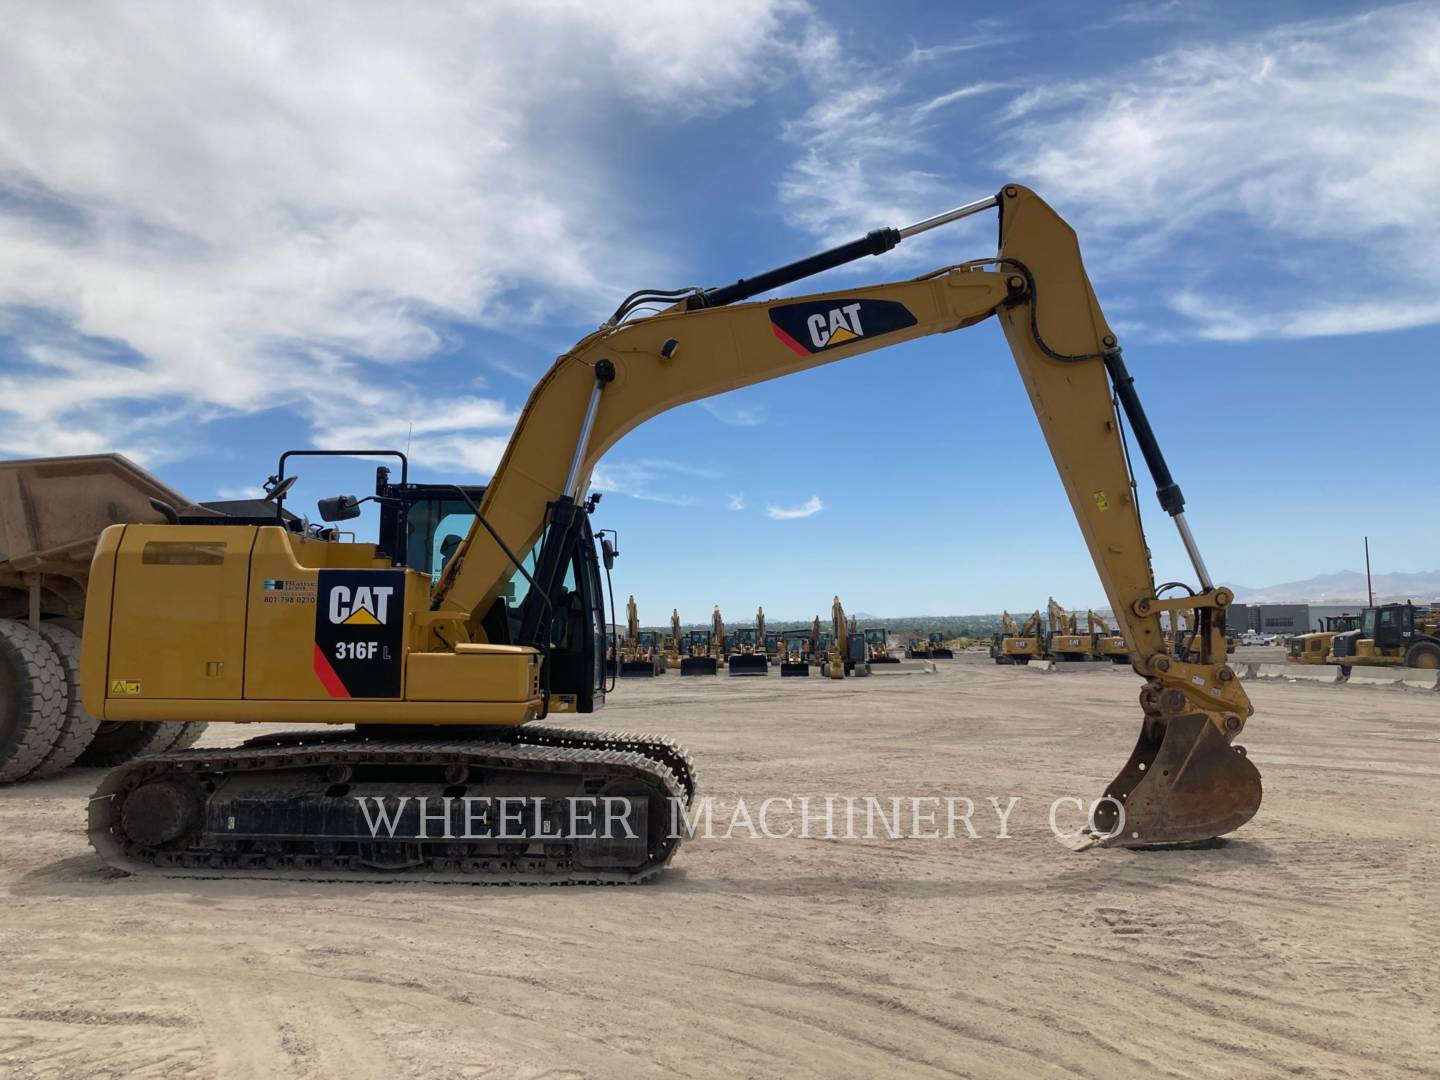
(1370, 588)
(408, 435)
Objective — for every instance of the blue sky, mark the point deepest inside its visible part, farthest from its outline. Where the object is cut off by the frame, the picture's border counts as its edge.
(226, 230)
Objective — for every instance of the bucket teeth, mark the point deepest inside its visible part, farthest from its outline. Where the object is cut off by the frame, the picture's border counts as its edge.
(1183, 783)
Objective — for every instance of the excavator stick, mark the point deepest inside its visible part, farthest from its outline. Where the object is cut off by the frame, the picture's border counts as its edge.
(1183, 783)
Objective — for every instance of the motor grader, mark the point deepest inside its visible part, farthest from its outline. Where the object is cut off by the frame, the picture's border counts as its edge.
(436, 684)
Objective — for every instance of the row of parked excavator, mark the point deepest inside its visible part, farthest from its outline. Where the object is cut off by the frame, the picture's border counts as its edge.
(1058, 637)
(839, 650)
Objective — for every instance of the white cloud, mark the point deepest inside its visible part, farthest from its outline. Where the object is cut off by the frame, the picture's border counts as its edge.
(809, 507)
(232, 493)
(733, 413)
(1312, 149)
(736, 500)
(212, 209)
(866, 146)
(652, 480)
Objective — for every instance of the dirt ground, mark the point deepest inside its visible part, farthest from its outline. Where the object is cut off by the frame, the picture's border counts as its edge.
(1305, 945)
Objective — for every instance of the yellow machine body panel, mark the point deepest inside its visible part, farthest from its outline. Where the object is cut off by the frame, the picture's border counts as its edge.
(1020, 646)
(183, 592)
(244, 623)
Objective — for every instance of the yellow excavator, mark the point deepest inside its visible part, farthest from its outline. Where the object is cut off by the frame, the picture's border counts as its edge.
(1016, 644)
(1106, 646)
(441, 675)
(846, 653)
(640, 656)
(1064, 640)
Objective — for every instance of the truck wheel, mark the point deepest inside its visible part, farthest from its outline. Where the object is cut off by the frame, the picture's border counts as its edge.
(1423, 654)
(78, 726)
(32, 699)
(118, 741)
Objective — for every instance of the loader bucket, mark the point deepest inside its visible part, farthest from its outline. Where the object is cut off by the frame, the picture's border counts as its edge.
(942, 654)
(1183, 783)
(697, 665)
(884, 660)
(749, 664)
(639, 669)
(788, 669)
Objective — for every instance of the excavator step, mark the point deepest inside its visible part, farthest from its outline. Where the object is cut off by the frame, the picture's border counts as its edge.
(307, 806)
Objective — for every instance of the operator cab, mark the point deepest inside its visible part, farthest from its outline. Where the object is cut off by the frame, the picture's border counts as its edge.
(423, 526)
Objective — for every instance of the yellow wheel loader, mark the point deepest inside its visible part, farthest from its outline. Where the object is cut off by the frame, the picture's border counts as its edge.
(640, 656)
(917, 648)
(747, 649)
(1391, 635)
(939, 647)
(438, 680)
(699, 658)
(1017, 644)
(877, 640)
(797, 647)
(1316, 646)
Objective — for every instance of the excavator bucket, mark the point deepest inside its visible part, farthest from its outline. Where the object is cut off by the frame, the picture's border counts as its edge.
(749, 664)
(698, 665)
(1183, 783)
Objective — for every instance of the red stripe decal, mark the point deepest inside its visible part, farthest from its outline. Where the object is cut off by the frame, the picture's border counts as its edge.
(333, 686)
(788, 340)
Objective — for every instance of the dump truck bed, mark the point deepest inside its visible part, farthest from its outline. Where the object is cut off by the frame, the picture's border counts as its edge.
(52, 511)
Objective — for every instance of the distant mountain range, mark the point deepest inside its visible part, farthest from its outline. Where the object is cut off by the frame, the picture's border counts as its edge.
(1347, 586)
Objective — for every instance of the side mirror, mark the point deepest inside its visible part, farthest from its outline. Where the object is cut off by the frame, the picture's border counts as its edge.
(339, 508)
(608, 552)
